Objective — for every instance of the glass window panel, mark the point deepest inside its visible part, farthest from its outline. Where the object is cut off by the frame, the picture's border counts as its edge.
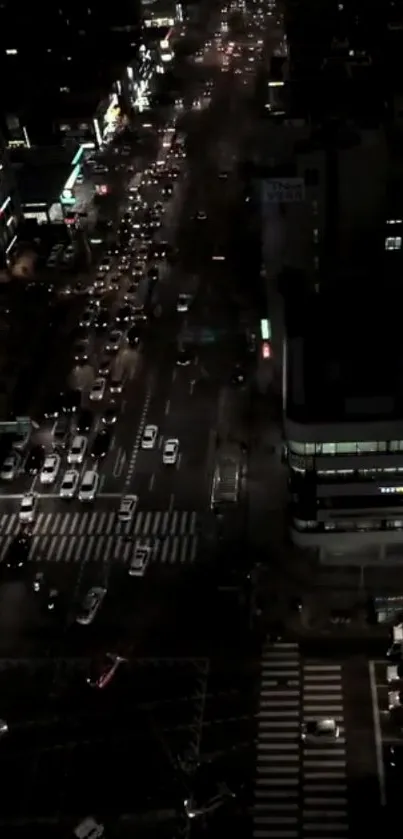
(394, 445)
(309, 448)
(346, 448)
(329, 448)
(367, 447)
(297, 448)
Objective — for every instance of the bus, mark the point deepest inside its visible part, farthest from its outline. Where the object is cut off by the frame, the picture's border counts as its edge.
(226, 486)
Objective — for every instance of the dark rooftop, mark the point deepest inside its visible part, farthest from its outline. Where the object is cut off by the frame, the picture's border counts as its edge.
(345, 356)
(40, 173)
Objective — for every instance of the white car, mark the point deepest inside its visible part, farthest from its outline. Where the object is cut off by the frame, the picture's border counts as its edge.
(27, 507)
(77, 449)
(92, 602)
(10, 467)
(394, 673)
(89, 486)
(140, 560)
(114, 341)
(127, 507)
(149, 437)
(97, 391)
(50, 469)
(68, 487)
(170, 452)
(394, 699)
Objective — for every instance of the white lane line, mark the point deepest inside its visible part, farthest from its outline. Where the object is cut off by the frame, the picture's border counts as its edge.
(377, 734)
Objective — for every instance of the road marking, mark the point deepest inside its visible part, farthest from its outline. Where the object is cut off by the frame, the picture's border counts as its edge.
(167, 407)
(151, 482)
(137, 442)
(378, 736)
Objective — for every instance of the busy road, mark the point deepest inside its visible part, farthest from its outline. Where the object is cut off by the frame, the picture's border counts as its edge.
(107, 541)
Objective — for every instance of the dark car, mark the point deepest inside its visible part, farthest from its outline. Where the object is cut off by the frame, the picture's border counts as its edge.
(153, 275)
(133, 336)
(102, 320)
(111, 414)
(238, 375)
(35, 460)
(124, 315)
(101, 443)
(71, 401)
(18, 552)
(84, 421)
(61, 432)
(167, 190)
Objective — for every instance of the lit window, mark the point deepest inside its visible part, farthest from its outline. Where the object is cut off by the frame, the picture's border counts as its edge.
(394, 221)
(393, 243)
(11, 52)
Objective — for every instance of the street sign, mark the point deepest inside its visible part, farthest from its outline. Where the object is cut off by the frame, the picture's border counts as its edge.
(283, 190)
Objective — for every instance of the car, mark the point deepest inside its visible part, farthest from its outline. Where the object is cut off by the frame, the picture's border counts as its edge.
(149, 437)
(104, 367)
(89, 485)
(28, 507)
(394, 699)
(223, 174)
(320, 731)
(103, 670)
(127, 508)
(10, 467)
(167, 190)
(81, 351)
(18, 551)
(77, 449)
(97, 391)
(68, 487)
(133, 336)
(116, 384)
(394, 672)
(183, 302)
(111, 414)
(153, 275)
(101, 443)
(70, 401)
(50, 469)
(52, 600)
(91, 604)
(35, 460)
(238, 375)
(160, 250)
(105, 265)
(102, 320)
(184, 357)
(140, 560)
(170, 452)
(86, 318)
(124, 315)
(114, 340)
(61, 432)
(85, 420)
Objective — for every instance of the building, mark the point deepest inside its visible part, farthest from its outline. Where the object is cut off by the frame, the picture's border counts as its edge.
(79, 53)
(9, 205)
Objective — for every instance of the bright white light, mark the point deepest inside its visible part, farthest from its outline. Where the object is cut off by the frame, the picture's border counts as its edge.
(98, 133)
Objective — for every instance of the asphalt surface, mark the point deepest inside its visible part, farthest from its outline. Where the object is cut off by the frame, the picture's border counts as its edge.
(186, 692)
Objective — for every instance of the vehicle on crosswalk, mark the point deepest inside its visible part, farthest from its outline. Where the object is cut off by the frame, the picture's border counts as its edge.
(97, 391)
(149, 437)
(10, 467)
(89, 486)
(77, 449)
(69, 484)
(103, 670)
(50, 469)
(28, 506)
(320, 731)
(170, 452)
(91, 604)
(140, 560)
(127, 507)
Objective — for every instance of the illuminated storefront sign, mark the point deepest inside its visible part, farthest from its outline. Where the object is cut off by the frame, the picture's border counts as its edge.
(67, 196)
(159, 22)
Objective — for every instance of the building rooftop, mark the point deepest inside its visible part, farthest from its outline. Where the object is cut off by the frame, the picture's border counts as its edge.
(40, 173)
(345, 355)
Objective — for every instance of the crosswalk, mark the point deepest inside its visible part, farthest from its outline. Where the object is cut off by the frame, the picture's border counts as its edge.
(98, 536)
(300, 788)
